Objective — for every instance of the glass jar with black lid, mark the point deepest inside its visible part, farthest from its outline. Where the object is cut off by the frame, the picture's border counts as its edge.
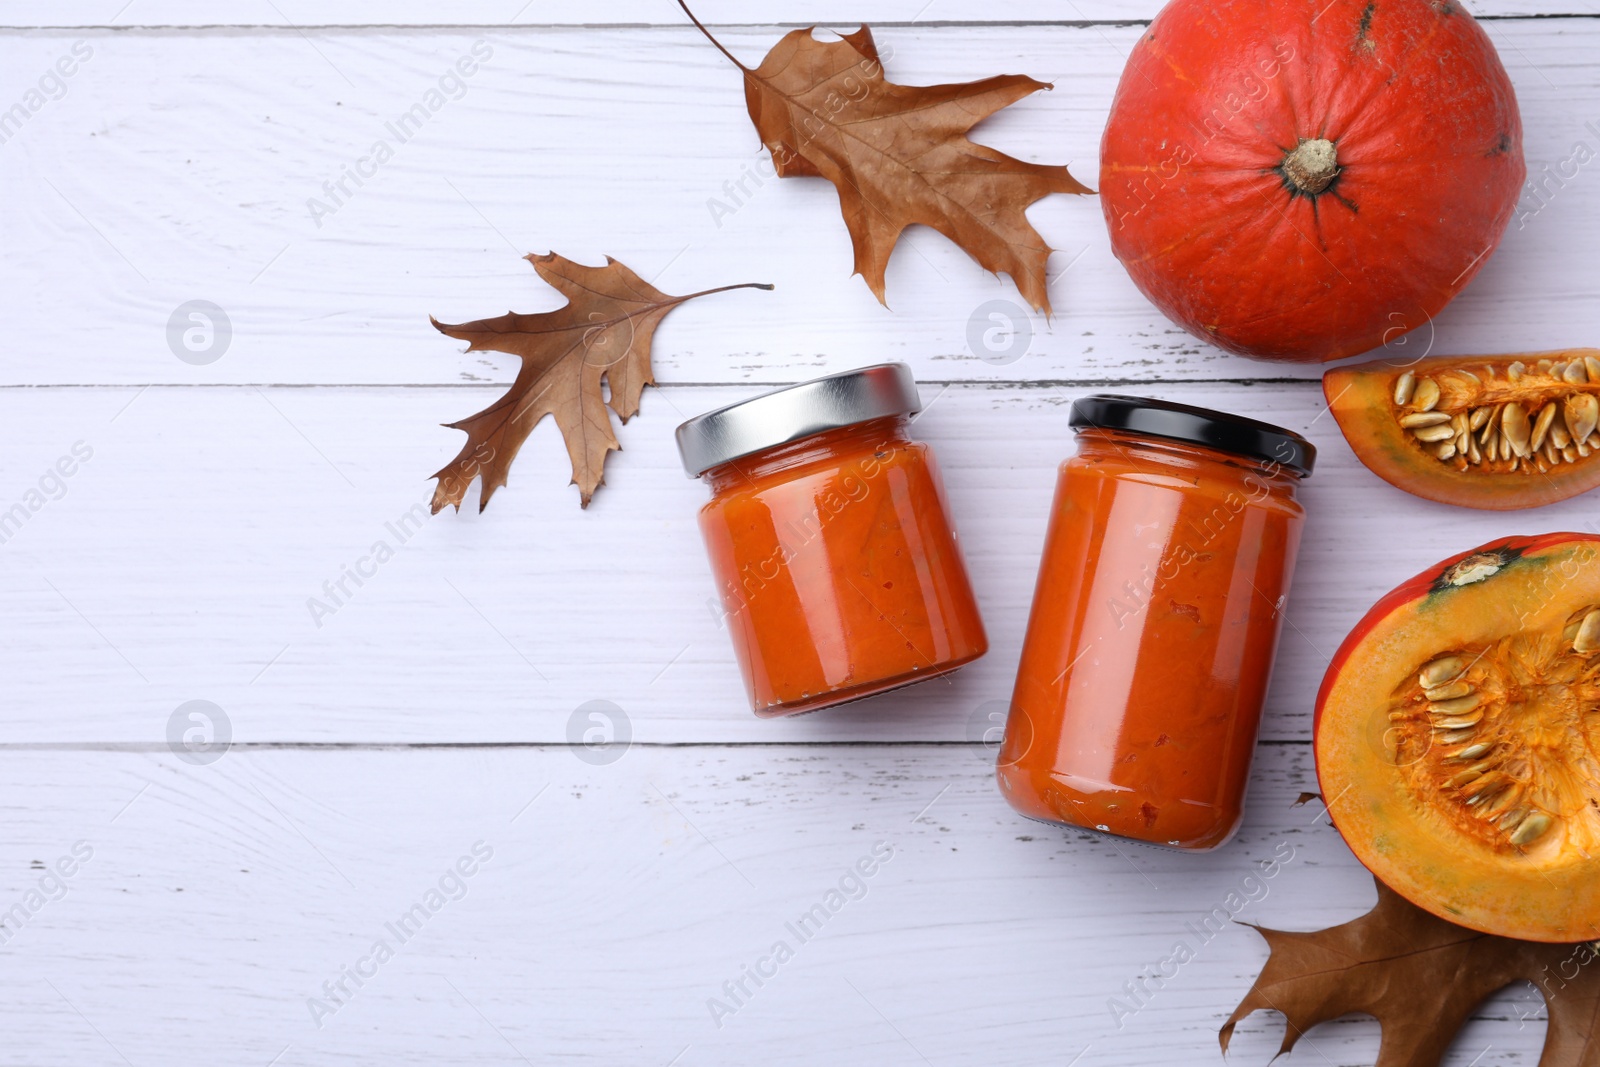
(1155, 620)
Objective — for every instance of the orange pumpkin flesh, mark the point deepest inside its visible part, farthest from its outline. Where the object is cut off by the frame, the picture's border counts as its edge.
(1457, 732)
(1524, 426)
(1306, 181)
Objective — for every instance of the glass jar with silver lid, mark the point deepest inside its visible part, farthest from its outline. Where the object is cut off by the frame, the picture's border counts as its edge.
(830, 541)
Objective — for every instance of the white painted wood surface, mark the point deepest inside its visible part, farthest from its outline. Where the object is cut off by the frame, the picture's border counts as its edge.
(619, 899)
(372, 751)
(206, 520)
(196, 186)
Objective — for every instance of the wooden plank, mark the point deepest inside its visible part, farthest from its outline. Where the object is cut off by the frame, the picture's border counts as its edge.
(181, 166)
(497, 13)
(616, 900)
(181, 561)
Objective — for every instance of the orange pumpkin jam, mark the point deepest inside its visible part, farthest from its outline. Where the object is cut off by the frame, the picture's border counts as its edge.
(1155, 620)
(839, 571)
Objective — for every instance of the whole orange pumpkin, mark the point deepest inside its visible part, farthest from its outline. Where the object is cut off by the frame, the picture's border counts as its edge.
(1303, 179)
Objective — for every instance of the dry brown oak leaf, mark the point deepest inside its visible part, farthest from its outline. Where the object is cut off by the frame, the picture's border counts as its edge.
(1421, 976)
(899, 154)
(603, 334)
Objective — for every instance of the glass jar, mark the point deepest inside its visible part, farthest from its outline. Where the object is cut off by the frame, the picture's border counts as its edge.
(830, 542)
(1155, 619)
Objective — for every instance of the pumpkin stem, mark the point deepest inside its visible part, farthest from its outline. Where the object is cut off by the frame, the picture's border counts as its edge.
(1311, 167)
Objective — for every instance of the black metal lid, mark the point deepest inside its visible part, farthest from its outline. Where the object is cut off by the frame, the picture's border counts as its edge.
(1200, 426)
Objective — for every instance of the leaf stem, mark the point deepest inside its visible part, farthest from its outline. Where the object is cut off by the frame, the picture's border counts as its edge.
(724, 288)
(731, 57)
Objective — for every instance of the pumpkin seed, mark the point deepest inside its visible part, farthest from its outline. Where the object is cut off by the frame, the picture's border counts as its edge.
(1441, 670)
(1477, 419)
(1456, 705)
(1449, 691)
(1459, 722)
(1559, 434)
(1472, 751)
(1514, 424)
(1515, 371)
(1531, 828)
(1403, 387)
(1426, 395)
(1471, 774)
(1413, 420)
(1445, 450)
(1592, 365)
(1541, 425)
(1491, 425)
(1588, 637)
(1582, 412)
(1432, 434)
(1574, 373)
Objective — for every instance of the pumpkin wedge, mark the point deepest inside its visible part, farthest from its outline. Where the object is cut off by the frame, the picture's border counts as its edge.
(1492, 432)
(1457, 732)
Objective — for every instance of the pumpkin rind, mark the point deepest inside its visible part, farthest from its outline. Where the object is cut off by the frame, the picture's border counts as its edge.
(1541, 885)
(1220, 228)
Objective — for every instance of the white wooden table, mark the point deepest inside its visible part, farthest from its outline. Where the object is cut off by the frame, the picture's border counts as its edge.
(431, 714)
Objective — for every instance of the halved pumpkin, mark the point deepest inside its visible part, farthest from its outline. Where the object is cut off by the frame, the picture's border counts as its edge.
(1494, 432)
(1457, 732)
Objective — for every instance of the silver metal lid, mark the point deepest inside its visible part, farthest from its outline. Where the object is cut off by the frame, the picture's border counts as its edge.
(796, 411)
